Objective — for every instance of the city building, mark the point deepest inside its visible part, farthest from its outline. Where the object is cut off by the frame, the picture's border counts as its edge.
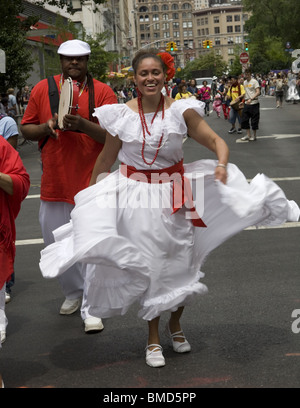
(222, 24)
(159, 22)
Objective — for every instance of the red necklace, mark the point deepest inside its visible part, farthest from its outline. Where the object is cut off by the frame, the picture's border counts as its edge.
(145, 127)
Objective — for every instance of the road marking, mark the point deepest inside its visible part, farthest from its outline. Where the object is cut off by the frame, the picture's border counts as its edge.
(292, 354)
(274, 179)
(278, 136)
(39, 241)
(30, 241)
(285, 225)
(33, 196)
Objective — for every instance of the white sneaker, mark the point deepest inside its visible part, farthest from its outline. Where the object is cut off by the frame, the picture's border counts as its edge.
(7, 297)
(70, 306)
(93, 325)
(243, 139)
(2, 336)
(155, 358)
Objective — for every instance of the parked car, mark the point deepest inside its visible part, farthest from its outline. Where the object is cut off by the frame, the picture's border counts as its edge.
(199, 81)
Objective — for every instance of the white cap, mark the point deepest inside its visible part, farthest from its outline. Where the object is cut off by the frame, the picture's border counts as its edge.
(74, 48)
(214, 78)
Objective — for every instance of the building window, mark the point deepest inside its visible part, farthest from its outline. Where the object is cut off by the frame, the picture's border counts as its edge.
(229, 19)
(166, 26)
(216, 20)
(237, 17)
(229, 29)
(165, 7)
(237, 29)
(217, 30)
(186, 6)
(175, 16)
(230, 51)
(155, 17)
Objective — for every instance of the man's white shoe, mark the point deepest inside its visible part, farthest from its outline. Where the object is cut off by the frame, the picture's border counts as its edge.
(70, 306)
(2, 336)
(7, 297)
(93, 325)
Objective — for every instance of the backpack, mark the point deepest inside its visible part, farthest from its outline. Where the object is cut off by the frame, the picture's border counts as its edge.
(279, 85)
(54, 102)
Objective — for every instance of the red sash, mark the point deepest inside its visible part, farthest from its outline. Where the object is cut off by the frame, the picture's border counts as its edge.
(182, 191)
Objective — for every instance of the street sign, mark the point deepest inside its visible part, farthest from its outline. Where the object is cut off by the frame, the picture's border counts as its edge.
(244, 58)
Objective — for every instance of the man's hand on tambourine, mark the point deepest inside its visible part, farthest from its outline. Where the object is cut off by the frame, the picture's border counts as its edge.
(52, 125)
(72, 122)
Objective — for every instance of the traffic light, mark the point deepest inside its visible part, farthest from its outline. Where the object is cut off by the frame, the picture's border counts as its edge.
(168, 46)
(173, 46)
(207, 44)
(246, 46)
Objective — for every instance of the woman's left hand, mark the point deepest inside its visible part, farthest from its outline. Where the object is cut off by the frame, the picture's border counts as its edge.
(221, 174)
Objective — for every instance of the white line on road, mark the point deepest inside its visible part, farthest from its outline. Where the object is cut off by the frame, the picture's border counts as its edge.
(39, 241)
(274, 179)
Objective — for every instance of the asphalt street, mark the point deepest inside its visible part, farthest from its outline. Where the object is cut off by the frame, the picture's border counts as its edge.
(245, 333)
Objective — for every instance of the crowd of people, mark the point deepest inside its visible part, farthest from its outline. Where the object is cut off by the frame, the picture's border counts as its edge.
(109, 259)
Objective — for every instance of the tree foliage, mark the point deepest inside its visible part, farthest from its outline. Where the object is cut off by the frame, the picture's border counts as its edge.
(99, 59)
(272, 24)
(210, 61)
(67, 4)
(13, 42)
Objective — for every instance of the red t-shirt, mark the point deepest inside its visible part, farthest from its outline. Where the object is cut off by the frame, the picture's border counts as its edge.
(68, 162)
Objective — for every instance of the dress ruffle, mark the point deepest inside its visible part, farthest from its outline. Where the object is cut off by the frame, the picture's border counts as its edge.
(119, 119)
(161, 270)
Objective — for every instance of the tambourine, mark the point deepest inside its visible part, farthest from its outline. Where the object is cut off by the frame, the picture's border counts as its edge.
(68, 101)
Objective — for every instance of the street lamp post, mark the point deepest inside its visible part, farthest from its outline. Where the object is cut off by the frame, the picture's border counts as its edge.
(149, 25)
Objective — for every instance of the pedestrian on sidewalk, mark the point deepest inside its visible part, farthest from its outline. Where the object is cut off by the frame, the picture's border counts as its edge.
(251, 113)
(235, 94)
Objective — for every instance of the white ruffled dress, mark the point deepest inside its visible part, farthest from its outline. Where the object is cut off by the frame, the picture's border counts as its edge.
(134, 248)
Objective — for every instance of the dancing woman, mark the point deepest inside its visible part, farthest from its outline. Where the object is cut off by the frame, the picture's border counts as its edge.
(145, 229)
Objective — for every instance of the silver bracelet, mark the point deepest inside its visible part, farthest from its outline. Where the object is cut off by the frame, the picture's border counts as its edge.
(221, 165)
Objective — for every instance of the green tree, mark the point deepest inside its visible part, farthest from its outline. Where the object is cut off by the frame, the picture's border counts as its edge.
(66, 3)
(13, 42)
(272, 24)
(58, 30)
(100, 59)
(209, 61)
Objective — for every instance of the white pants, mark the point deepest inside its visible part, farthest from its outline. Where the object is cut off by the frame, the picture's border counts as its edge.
(3, 319)
(53, 215)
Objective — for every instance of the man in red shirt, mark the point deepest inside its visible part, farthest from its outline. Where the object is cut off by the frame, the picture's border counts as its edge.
(68, 157)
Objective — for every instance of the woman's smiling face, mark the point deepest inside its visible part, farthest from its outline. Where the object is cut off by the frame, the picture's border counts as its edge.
(150, 77)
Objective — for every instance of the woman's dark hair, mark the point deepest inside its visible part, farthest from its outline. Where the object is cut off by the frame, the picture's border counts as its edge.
(142, 54)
